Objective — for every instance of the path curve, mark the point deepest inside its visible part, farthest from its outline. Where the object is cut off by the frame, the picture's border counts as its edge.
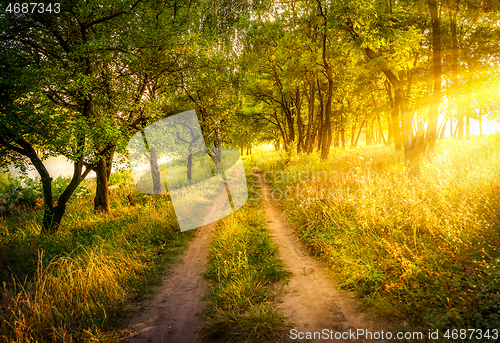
(311, 301)
(175, 314)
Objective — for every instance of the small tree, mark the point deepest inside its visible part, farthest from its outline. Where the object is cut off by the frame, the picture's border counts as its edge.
(54, 91)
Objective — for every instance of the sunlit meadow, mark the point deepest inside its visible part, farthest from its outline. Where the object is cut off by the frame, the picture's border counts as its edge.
(426, 249)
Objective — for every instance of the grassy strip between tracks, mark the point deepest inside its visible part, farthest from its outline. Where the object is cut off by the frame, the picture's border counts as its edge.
(243, 270)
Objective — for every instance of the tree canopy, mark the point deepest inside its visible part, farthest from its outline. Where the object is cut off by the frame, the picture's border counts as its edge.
(304, 75)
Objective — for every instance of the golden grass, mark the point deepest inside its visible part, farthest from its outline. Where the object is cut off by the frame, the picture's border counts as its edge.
(427, 249)
(77, 284)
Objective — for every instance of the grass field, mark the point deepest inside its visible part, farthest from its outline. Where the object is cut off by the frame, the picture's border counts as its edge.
(78, 284)
(425, 249)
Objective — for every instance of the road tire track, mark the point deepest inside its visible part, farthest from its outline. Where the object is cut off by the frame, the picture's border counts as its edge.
(176, 313)
(311, 301)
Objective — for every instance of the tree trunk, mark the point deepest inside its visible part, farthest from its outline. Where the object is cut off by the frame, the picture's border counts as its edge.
(189, 168)
(395, 120)
(468, 98)
(155, 171)
(52, 219)
(290, 121)
(321, 111)
(454, 69)
(443, 129)
(342, 135)
(418, 144)
(310, 117)
(101, 200)
(300, 124)
(353, 133)
(436, 58)
(389, 130)
(406, 120)
(467, 126)
(327, 128)
(368, 133)
(406, 117)
(217, 159)
(359, 132)
(390, 135)
(153, 164)
(282, 132)
(103, 173)
(381, 131)
(460, 125)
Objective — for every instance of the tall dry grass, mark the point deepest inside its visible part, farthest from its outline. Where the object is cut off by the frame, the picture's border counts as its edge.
(78, 284)
(427, 249)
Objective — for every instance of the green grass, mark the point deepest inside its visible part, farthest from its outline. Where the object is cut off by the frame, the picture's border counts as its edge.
(243, 270)
(78, 284)
(425, 249)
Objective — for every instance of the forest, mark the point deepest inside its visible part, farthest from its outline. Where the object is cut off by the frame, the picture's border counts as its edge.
(369, 129)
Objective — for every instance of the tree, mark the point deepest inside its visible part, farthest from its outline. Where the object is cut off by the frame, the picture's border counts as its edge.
(431, 134)
(68, 58)
(104, 74)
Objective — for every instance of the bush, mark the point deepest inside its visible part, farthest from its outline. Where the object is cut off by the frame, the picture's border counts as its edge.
(26, 193)
(121, 178)
(15, 197)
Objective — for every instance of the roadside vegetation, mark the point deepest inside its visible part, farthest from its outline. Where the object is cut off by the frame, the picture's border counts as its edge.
(243, 272)
(309, 77)
(77, 284)
(426, 249)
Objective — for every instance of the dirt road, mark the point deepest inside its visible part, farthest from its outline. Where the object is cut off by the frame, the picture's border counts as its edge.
(311, 301)
(176, 312)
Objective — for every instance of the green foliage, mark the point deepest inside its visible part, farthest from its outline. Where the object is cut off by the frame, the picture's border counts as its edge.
(60, 184)
(14, 196)
(84, 92)
(121, 178)
(25, 193)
